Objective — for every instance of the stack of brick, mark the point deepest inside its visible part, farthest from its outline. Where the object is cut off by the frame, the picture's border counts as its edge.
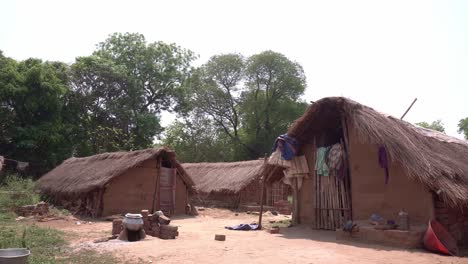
(283, 207)
(454, 220)
(168, 232)
(41, 209)
(153, 224)
(152, 228)
(117, 226)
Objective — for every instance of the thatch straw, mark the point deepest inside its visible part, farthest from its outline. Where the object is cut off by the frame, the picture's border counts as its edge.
(430, 157)
(82, 175)
(229, 177)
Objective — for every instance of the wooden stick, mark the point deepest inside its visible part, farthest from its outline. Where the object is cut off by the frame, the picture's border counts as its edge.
(414, 101)
(262, 193)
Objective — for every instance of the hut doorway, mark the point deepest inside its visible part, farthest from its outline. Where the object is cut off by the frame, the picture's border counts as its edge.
(167, 190)
(331, 175)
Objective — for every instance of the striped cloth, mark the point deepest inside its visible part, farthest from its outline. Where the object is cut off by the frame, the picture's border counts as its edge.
(335, 159)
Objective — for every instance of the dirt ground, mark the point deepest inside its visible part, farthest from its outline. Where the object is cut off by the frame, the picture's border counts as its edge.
(196, 243)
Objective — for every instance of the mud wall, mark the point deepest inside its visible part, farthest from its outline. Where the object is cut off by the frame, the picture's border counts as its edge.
(370, 194)
(132, 191)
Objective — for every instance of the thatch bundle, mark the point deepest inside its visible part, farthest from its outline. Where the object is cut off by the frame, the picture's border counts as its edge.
(83, 175)
(430, 157)
(229, 177)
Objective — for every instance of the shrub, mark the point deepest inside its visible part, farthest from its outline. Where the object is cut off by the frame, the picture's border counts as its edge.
(17, 191)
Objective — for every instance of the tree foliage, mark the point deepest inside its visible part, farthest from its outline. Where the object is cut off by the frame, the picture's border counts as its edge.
(250, 100)
(111, 100)
(32, 106)
(122, 89)
(230, 108)
(435, 125)
(463, 127)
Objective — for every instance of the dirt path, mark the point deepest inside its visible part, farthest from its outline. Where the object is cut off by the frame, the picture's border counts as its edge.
(295, 245)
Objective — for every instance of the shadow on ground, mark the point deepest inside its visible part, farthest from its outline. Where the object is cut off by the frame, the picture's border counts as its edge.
(302, 232)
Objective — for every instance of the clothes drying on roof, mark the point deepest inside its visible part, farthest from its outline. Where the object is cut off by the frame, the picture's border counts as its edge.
(287, 145)
(335, 161)
(321, 166)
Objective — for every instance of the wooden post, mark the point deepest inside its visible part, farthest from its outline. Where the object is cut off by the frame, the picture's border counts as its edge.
(348, 180)
(409, 108)
(262, 193)
(156, 186)
(295, 218)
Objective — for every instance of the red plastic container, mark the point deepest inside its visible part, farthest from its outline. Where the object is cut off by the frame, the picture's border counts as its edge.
(438, 240)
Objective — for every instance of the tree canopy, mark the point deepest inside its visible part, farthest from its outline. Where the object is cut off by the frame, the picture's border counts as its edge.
(463, 127)
(230, 108)
(33, 102)
(123, 87)
(250, 100)
(435, 125)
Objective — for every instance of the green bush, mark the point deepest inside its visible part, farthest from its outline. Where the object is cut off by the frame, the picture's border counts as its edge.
(17, 191)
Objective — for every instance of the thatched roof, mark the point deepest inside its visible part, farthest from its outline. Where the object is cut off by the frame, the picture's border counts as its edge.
(430, 157)
(82, 175)
(224, 176)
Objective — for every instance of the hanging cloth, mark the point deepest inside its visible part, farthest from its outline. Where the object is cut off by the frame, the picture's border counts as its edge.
(320, 161)
(335, 159)
(383, 162)
(288, 146)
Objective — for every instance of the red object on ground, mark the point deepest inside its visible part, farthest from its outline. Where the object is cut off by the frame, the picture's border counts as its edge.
(438, 240)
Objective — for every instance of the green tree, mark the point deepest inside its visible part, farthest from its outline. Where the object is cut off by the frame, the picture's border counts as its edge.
(198, 140)
(271, 101)
(252, 101)
(32, 104)
(435, 125)
(123, 87)
(463, 127)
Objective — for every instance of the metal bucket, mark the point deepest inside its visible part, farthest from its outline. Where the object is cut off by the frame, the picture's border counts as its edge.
(14, 256)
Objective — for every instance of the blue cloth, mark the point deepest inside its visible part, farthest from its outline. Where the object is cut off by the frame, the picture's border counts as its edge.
(288, 146)
(243, 227)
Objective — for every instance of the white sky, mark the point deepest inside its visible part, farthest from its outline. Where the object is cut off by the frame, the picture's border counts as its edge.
(379, 53)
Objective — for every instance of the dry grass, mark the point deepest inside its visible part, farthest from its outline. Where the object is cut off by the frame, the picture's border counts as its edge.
(225, 176)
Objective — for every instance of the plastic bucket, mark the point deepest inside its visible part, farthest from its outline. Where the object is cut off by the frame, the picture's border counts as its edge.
(14, 255)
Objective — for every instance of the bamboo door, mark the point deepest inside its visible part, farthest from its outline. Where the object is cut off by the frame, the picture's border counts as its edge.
(167, 190)
(332, 200)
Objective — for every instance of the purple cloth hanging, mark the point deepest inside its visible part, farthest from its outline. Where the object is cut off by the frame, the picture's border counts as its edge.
(383, 162)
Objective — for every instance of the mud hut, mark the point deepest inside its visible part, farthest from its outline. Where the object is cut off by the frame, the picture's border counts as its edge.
(234, 184)
(119, 182)
(388, 165)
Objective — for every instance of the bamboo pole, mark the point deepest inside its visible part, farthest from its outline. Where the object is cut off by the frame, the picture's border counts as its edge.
(262, 194)
(407, 110)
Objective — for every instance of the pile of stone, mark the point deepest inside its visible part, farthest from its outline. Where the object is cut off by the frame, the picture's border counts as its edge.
(159, 226)
(283, 207)
(156, 225)
(41, 209)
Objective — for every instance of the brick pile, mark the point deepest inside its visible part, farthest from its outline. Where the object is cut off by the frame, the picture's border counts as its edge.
(41, 209)
(153, 224)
